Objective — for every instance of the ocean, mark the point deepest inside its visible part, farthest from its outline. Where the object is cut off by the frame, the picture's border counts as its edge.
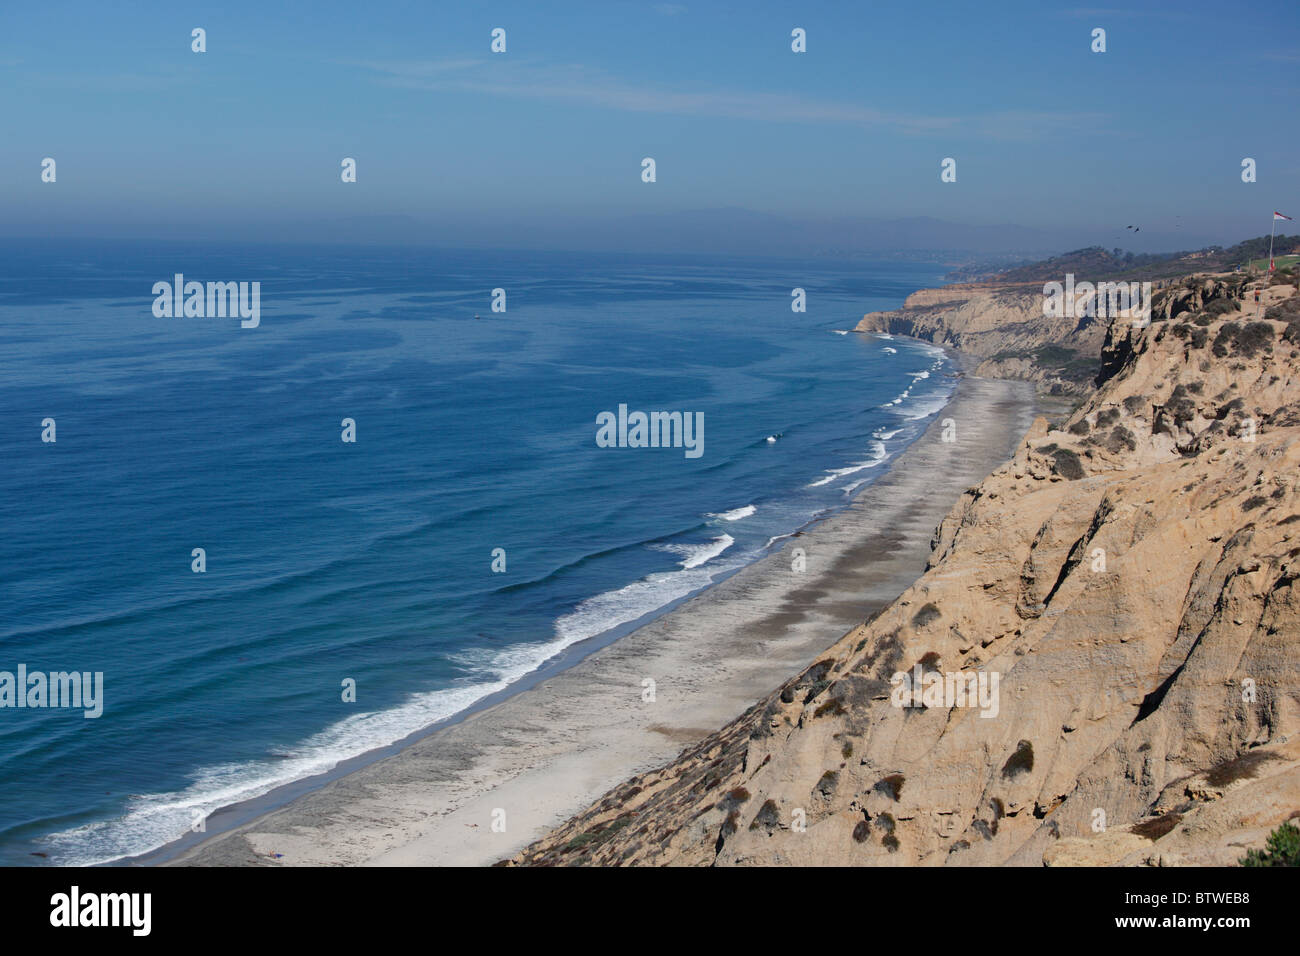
(355, 592)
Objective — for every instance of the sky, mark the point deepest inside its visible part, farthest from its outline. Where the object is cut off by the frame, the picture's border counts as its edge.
(542, 145)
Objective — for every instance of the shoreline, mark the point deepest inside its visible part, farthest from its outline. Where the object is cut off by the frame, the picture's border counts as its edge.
(550, 747)
(232, 816)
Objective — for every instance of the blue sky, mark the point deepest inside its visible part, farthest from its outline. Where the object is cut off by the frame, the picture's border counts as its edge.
(544, 141)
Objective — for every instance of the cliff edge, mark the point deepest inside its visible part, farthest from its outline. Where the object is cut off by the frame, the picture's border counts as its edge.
(1120, 600)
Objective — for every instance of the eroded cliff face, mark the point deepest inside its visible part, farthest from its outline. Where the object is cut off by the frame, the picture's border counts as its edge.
(1005, 327)
(1128, 580)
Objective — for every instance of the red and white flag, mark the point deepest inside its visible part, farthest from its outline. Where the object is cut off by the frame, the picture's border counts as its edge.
(1278, 215)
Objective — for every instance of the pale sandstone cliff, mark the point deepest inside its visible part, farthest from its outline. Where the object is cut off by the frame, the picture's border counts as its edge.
(1004, 326)
(1132, 580)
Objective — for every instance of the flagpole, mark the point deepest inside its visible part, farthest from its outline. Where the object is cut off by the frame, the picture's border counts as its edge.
(1272, 232)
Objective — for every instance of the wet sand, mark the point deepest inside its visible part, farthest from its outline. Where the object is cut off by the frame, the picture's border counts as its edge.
(534, 759)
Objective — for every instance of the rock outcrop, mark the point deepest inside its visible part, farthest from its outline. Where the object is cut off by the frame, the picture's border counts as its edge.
(1123, 592)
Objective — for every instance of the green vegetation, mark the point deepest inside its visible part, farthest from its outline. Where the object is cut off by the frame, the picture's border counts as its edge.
(1094, 262)
(1245, 341)
(1282, 262)
(1281, 849)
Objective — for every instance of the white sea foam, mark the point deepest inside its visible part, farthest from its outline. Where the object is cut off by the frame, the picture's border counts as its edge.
(878, 454)
(153, 820)
(926, 407)
(899, 400)
(889, 350)
(626, 604)
(735, 514)
(693, 555)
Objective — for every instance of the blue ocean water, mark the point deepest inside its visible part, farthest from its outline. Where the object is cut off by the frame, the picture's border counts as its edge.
(372, 560)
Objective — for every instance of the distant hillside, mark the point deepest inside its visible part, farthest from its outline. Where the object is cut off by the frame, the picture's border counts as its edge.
(1095, 262)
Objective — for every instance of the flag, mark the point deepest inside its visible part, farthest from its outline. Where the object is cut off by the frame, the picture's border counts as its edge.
(1278, 215)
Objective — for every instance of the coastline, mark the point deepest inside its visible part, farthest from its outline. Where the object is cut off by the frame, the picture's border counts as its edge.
(547, 750)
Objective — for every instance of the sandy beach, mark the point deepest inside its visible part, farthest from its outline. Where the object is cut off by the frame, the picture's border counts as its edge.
(537, 757)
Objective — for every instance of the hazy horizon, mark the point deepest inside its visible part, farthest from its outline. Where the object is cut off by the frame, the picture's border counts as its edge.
(758, 149)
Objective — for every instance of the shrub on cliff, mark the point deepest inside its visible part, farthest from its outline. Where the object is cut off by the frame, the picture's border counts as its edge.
(1135, 404)
(1066, 464)
(1227, 335)
(1284, 310)
(1156, 827)
(1180, 407)
(1120, 439)
(928, 614)
(1022, 761)
(1195, 336)
(834, 707)
(1253, 339)
(1281, 849)
(891, 786)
